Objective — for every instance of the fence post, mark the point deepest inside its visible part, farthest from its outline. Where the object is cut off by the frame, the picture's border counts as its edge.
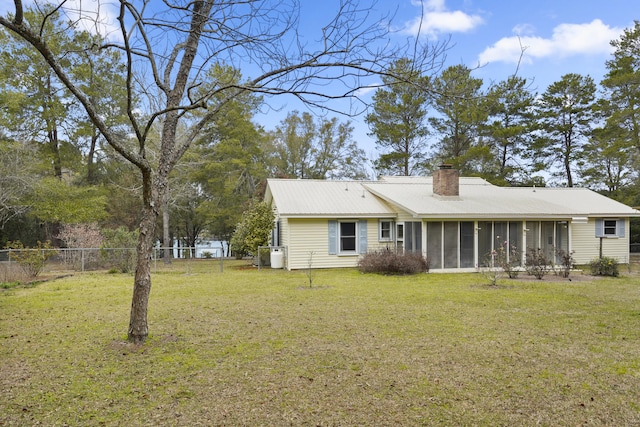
(82, 257)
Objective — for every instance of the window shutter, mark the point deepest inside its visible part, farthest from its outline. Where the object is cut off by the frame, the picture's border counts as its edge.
(620, 227)
(362, 236)
(599, 227)
(333, 237)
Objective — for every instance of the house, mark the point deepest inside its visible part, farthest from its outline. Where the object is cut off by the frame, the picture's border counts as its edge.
(454, 221)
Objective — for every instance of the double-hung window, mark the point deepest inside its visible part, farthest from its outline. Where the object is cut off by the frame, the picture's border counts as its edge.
(610, 227)
(607, 227)
(385, 228)
(348, 237)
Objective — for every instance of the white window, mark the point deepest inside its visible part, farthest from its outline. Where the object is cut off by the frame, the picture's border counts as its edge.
(610, 227)
(385, 231)
(348, 237)
(607, 227)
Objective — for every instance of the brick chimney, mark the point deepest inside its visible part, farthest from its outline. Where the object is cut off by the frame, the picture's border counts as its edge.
(446, 181)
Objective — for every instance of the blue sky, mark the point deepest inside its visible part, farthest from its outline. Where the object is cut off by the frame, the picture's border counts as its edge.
(559, 37)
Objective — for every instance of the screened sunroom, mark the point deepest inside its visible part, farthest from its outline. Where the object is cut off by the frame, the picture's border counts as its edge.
(470, 244)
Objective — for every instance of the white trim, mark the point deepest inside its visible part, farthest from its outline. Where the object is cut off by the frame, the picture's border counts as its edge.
(391, 230)
(355, 251)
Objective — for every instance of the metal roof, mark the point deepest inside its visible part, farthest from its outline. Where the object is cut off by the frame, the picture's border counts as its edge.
(313, 198)
(477, 199)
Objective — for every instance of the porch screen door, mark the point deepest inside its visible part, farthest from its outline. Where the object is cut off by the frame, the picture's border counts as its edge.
(413, 236)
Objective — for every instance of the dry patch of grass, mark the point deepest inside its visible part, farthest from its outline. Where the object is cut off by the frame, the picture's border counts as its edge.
(249, 347)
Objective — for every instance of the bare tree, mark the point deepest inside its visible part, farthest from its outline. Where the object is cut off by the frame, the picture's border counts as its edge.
(167, 50)
(17, 178)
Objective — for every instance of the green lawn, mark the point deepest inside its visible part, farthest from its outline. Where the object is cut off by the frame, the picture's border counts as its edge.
(249, 347)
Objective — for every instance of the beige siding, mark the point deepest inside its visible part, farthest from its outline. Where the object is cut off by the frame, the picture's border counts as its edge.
(373, 235)
(586, 245)
(311, 235)
(304, 236)
(285, 238)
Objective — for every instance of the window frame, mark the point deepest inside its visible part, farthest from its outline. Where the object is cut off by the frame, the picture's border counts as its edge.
(618, 232)
(355, 237)
(607, 228)
(389, 229)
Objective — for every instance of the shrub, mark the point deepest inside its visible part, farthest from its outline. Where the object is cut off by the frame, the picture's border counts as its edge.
(566, 262)
(81, 236)
(389, 262)
(31, 260)
(604, 266)
(537, 264)
(503, 260)
(253, 231)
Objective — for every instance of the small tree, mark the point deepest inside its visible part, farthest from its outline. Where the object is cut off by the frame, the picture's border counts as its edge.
(166, 52)
(81, 236)
(31, 260)
(254, 230)
(503, 260)
(309, 270)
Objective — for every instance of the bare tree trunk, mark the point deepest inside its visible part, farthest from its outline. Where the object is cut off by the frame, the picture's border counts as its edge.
(91, 165)
(166, 238)
(138, 327)
(153, 192)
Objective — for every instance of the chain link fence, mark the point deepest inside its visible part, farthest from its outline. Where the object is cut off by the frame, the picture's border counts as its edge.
(120, 260)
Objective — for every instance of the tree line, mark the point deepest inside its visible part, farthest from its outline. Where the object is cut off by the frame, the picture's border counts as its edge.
(575, 132)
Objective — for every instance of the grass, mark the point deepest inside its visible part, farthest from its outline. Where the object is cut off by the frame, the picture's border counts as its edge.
(262, 348)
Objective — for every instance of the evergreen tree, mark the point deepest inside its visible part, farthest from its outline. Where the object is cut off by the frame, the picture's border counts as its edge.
(398, 121)
(458, 101)
(622, 84)
(565, 112)
(509, 128)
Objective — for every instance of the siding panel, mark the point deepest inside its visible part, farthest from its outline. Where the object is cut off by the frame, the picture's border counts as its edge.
(586, 245)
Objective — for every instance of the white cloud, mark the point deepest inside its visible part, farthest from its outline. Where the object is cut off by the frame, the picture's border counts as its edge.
(567, 40)
(96, 17)
(365, 90)
(437, 19)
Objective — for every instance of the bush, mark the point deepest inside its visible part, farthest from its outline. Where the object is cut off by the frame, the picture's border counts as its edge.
(537, 264)
(388, 262)
(503, 260)
(253, 231)
(604, 266)
(31, 260)
(566, 262)
(81, 236)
